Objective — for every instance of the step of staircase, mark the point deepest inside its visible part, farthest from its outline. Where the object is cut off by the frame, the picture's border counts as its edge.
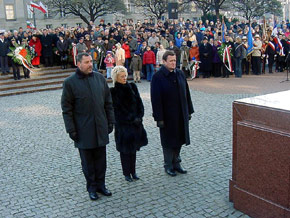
(43, 79)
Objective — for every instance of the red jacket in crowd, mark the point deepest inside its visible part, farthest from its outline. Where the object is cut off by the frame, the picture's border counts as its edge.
(126, 47)
(149, 57)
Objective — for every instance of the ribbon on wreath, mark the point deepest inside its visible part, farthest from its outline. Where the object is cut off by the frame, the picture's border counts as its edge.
(21, 54)
(227, 58)
(74, 53)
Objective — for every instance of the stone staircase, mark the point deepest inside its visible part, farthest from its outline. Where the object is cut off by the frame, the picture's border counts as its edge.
(43, 79)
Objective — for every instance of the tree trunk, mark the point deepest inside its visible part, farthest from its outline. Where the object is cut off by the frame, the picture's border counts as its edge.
(217, 12)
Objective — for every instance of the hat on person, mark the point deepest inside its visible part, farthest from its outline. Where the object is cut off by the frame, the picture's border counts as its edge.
(184, 43)
(205, 38)
(257, 36)
(202, 28)
(102, 20)
(244, 38)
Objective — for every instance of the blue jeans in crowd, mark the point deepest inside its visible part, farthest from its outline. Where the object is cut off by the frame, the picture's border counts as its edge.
(150, 71)
(238, 67)
(109, 70)
(95, 67)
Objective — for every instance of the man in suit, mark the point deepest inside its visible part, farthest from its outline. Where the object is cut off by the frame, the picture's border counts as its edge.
(172, 109)
(88, 115)
(4, 47)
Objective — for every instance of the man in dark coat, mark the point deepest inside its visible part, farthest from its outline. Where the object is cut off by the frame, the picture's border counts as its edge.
(47, 53)
(205, 54)
(4, 47)
(172, 109)
(88, 116)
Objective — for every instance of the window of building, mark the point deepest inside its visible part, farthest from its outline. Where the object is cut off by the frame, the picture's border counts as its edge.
(29, 12)
(9, 9)
(64, 25)
(48, 26)
(79, 24)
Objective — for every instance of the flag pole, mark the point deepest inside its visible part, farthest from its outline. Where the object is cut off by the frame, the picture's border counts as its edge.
(34, 20)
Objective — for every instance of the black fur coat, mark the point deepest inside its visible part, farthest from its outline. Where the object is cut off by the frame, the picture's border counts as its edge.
(130, 134)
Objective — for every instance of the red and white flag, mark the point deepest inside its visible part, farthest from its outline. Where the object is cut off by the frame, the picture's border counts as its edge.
(40, 7)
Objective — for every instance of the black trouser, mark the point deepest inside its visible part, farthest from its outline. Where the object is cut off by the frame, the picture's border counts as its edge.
(94, 166)
(16, 71)
(128, 162)
(226, 72)
(270, 62)
(216, 69)
(26, 72)
(48, 61)
(171, 157)
(4, 64)
(245, 66)
(256, 65)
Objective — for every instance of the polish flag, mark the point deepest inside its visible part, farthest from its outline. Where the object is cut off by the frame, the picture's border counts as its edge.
(40, 7)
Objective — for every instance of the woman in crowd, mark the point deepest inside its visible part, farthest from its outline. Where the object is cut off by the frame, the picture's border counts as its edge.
(62, 47)
(36, 45)
(130, 134)
(119, 55)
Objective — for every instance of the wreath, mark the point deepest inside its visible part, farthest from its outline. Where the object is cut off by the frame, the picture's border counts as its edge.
(21, 55)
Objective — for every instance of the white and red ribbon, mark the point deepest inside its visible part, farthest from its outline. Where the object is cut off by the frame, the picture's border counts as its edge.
(74, 53)
(227, 58)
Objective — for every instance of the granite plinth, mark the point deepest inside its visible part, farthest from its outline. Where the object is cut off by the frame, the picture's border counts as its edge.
(260, 184)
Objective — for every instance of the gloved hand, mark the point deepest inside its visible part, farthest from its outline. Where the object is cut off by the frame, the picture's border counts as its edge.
(110, 128)
(160, 124)
(137, 121)
(73, 136)
(189, 117)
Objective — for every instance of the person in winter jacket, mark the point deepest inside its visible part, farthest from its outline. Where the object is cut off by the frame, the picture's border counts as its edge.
(109, 61)
(126, 48)
(62, 47)
(238, 54)
(130, 134)
(149, 61)
(36, 45)
(119, 55)
(136, 66)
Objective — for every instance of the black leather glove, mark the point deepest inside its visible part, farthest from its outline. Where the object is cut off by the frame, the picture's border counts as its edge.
(189, 117)
(110, 128)
(73, 136)
(160, 124)
(137, 121)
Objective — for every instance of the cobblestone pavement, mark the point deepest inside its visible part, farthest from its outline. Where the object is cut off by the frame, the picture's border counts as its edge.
(41, 173)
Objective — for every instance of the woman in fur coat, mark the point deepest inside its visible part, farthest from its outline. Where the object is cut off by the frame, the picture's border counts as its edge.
(130, 134)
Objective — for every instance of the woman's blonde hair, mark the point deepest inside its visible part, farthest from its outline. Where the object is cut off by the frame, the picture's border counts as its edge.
(116, 71)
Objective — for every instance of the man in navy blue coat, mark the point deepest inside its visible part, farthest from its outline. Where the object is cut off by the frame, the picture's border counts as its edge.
(172, 109)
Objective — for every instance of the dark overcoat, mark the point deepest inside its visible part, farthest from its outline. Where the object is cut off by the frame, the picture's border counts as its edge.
(87, 109)
(46, 42)
(205, 54)
(4, 48)
(128, 106)
(171, 103)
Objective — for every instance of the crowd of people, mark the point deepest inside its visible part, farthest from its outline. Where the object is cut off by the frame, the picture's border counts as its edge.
(139, 46)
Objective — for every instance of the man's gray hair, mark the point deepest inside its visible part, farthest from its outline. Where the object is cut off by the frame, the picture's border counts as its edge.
(116, 71)
(80, 56)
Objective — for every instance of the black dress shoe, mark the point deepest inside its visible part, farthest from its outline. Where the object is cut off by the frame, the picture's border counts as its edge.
(104, 191)
(128, 178)
(180, 170)
(135, 177)
(93, 196)
(170, 172)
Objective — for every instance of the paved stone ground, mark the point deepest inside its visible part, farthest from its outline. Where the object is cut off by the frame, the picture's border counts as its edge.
(41, 174)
